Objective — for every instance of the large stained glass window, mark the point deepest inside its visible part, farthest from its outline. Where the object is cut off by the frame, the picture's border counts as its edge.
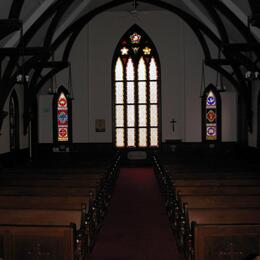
(211, 118)
(136, 81)
(62, 117)
(14, 122)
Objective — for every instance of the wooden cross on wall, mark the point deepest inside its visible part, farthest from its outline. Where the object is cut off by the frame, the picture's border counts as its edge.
(230, 251)
(37, 254)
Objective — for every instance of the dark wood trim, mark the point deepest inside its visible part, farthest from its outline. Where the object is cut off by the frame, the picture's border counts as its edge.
(8, 26)
(16, 9)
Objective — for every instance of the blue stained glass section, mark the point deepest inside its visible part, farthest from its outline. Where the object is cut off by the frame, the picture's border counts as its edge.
(211, 101)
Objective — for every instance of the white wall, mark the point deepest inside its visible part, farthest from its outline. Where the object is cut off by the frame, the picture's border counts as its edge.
(181, 62)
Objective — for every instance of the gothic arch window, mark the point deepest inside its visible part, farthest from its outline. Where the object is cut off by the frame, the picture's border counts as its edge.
(14, 122)
(62, 122)
(136, 91)
(211, 115)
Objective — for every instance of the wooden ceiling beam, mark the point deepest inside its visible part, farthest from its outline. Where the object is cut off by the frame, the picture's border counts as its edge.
(220, 62)
(242, 47)
(8, 26)
(28, 51)
(54, 64)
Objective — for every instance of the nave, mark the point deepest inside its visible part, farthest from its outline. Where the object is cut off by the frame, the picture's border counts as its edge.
(176, 207)
(136, 226)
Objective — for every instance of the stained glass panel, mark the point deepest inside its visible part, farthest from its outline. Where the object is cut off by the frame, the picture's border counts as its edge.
(130, 137)
(62, 134)
(211, 131)
(141, 69)
(154, 137)
(142, 115)
(153, 72)
(135, 38)
(211, 100)
(119, 74)
(63, 118)
(130, 74)
(136, 85)
(153, 92)
(120, 137)
(142, 137)
(211, 115)
(142, 92)
(130, 115)
(119, 116)
(119, 92)
(153, 115)
(130, 92)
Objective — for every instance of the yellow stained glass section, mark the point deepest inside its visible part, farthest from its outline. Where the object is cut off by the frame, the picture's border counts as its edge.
(141, 69)
(130, 115)
(130, 92)
(154, 137)
(119, 72)
(119, 116)
(130, 73)
(142, 142)
(120, 137)
(131, 137)
(153, 92)
(153, 115)
(142, 92)
(119, 92)
(153, 72)
(142, 115)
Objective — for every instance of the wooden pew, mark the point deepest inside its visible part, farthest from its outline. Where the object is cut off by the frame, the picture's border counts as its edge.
(217, 182)
(212, 216)
(38, 242)
(220, 201)
(229, 241)
(45, 202)
(45, 190)
(50, 218)
(227, 190)
(49, 198)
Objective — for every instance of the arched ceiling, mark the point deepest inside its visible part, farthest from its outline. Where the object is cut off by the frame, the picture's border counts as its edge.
(49, 23)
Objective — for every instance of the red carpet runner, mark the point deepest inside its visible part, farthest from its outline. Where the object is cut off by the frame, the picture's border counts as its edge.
(136, 226)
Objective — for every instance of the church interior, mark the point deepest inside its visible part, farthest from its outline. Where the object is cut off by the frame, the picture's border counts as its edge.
(129, 129)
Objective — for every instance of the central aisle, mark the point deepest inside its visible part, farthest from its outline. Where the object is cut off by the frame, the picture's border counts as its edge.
(136, 226)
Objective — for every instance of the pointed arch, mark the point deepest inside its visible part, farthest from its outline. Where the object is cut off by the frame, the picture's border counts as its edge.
(62, 119)
(136, 92)
(14, 128)
(211, 115)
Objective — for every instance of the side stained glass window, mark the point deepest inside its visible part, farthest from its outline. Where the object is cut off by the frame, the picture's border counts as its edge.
(62, 117)
(211, 115)
(136, 82)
